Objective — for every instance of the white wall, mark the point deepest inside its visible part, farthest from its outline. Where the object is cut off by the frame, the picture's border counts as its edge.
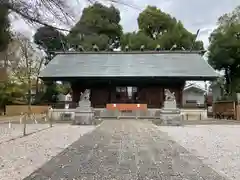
(62, 97)
(216, 93)
(191, 94)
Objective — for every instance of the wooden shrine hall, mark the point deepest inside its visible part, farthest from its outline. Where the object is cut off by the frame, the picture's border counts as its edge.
(128, 77)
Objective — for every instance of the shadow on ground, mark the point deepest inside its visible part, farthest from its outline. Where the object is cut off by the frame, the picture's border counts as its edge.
(205, 122)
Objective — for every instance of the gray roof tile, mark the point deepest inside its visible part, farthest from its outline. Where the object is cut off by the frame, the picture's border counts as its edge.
(128, 64)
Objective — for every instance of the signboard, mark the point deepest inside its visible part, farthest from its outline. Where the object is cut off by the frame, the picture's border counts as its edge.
(126, 107)
(210, 109)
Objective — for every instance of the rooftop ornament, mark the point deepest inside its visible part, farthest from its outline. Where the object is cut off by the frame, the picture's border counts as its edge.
(173, 47)
(142, 48)
(238, 35)
(80, 48)
(110, 48)
(127, 48)
(95, 47)
(71, 49)
(158, 48)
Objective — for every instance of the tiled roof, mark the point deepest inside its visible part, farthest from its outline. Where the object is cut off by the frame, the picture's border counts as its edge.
(112, 64)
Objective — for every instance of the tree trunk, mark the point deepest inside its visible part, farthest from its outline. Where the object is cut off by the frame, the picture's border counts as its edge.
(233, 78)
(37, 86)
(29, 81)
(29, 112)
(228, 81)
(38, 72)
(24, 125)
(29, 95)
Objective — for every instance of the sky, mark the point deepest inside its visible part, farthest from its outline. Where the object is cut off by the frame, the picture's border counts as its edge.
(195, 14)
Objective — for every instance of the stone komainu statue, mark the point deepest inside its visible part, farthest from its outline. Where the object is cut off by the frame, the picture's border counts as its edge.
(85, 96)
(169, 96)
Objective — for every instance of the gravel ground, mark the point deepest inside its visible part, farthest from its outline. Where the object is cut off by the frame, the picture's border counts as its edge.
(22, 156)
(125, 150)
(216, 145)
(16, 130)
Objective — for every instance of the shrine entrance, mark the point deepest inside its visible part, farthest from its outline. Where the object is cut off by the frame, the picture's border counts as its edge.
(127, 95)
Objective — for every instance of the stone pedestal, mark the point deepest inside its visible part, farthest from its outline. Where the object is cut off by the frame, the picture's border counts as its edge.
(84, 113)
(170, 114)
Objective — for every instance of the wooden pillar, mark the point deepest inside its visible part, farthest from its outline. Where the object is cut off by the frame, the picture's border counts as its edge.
(162, 96)
(142, 95)
(93, 98)
(99, 97)
(76, 91)
(113, 94)
(109, 92)
(109, 95)
(181, 94)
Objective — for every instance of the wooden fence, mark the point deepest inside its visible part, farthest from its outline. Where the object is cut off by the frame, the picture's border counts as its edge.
(3, 73)
(238, 112)
(226, 110)
(220, 110)
(12, 110)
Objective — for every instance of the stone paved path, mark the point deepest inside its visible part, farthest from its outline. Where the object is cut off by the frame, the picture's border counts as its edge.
(126, 150)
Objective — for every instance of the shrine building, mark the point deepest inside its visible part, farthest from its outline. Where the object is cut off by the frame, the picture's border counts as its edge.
(128, 77)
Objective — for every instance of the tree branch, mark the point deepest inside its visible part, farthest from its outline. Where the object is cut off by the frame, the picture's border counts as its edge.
(27, 10)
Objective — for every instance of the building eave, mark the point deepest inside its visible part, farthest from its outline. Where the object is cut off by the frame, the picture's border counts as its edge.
(195, 87)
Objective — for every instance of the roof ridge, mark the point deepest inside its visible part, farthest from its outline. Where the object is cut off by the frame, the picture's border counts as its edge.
(195, 86)
(128, 52)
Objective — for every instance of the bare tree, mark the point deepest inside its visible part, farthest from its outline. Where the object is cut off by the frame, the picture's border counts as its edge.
(24, 66)
(38, 11)
(28, 61)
